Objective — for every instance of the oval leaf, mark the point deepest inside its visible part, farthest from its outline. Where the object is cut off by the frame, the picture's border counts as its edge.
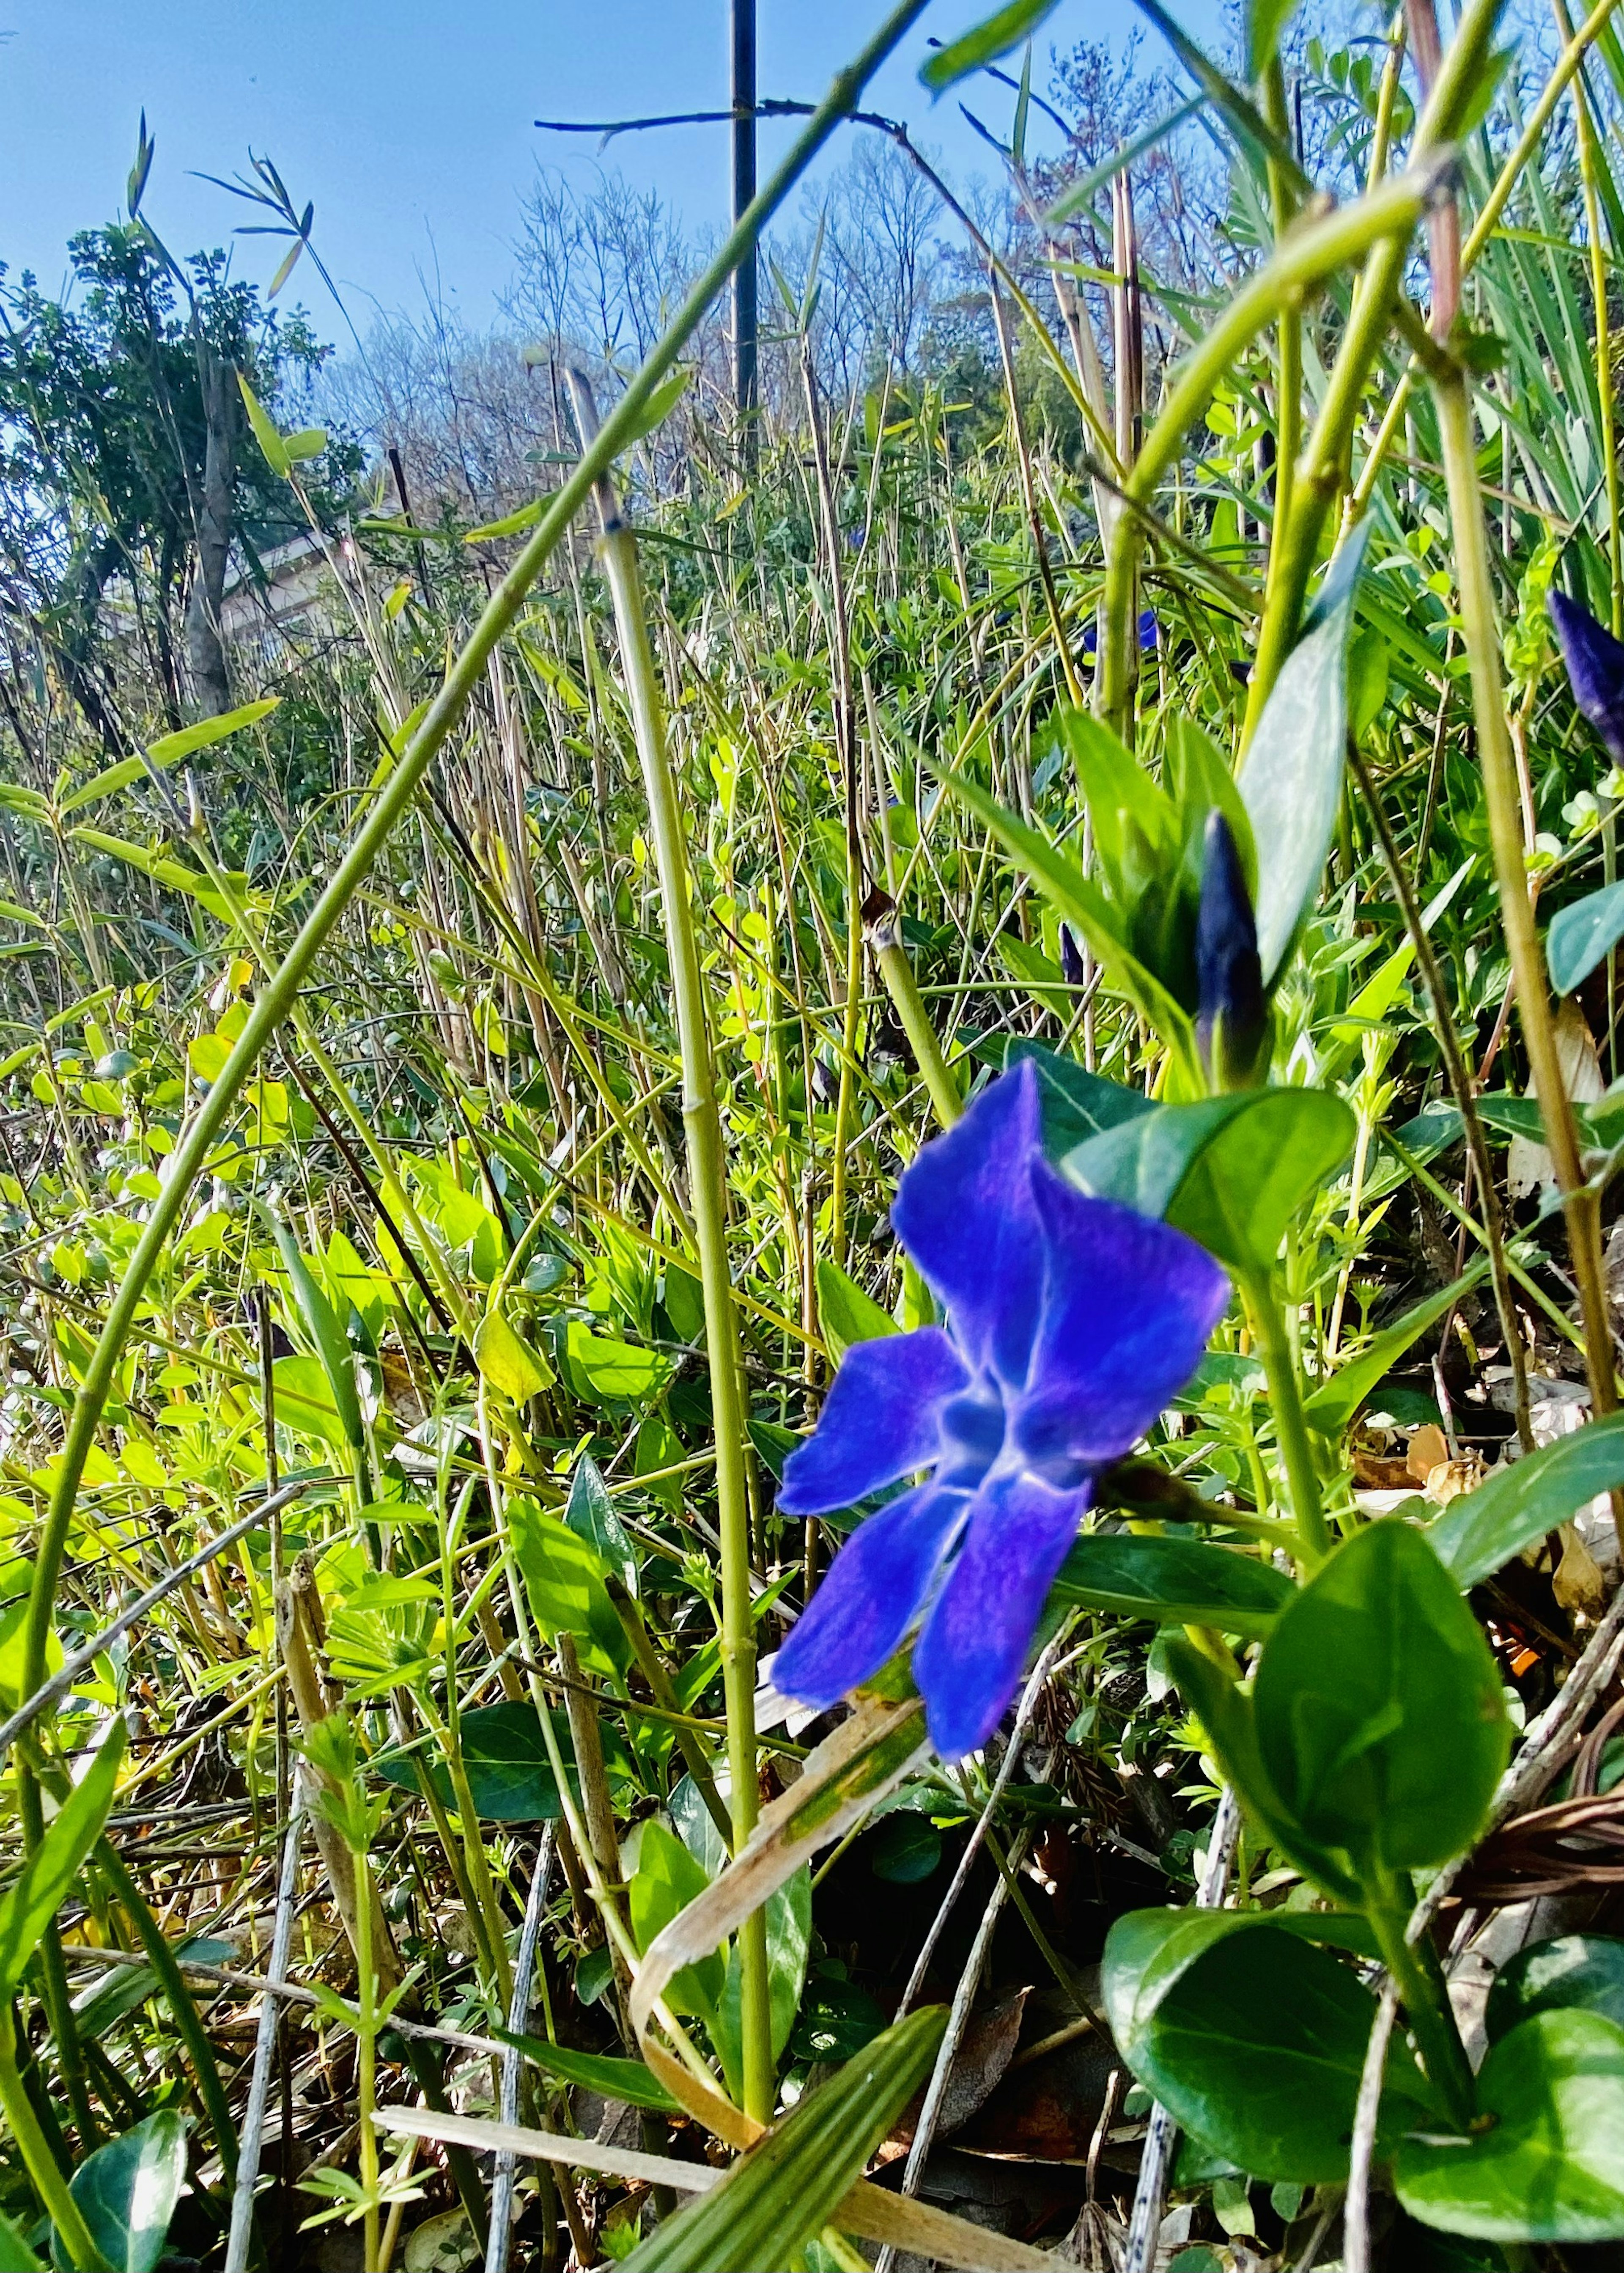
(1379, 1717)
(1580, 935)
(1176, 1581)
(1574, 1972)
(1552, 2167)
(127, 2192)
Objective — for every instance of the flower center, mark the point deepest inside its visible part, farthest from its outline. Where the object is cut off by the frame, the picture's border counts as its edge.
(974, 1427)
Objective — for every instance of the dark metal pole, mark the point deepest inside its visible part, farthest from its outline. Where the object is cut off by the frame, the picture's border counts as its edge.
(745, 317)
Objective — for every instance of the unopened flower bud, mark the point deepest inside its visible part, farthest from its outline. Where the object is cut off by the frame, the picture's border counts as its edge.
(1233, 1018)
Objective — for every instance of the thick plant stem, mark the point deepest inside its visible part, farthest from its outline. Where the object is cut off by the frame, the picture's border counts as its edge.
(467, 672)
(49, 2182)
(1581, 1203)
(1285, 1399)
(709, 1197)
(886, 938)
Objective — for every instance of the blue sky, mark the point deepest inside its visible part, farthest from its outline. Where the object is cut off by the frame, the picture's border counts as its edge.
(409, 121)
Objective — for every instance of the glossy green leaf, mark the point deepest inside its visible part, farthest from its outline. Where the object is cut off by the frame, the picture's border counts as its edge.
(1228, 1720)
(610, 1371)
(1250, 2035)
(1177, 1581)
(627, 2081)
(1231, 1171)
(1582, 1972)
(1379, 1718)
(1292, 777)
(667, 1879)
(506, 1359)
(790, 2183)
(1483, 1529)
(1333, 1403)
(505, 1759)
(47, 1877)
(1075, 1104)
(564, 1579)
(846, 1313)
(907, 1848)
(1580, 935)
(1551, 2165)
(127, 2192)
(590, 1515)
(994, 36)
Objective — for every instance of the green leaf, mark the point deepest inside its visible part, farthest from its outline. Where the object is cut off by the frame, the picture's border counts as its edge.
(564, 1579)
(1251, 2037)
(506, 1359)
(667, 1879)
(169, 750)
(627, 2081)
(1075, 1104)
(1231, 1171)
(1265, 20)
(44, 1882)
(1245, 120)
(1084, 907)
(589, 1512)
(994, 36)
(1581, 935)
(1379, 1717)
(1552, 2166)
(1229, 1721)
(505, 1759)
(660, 405)
(907, 1848)
(320, 1323)
(308, 442)
(1176, 1581)
(611, 1371)
(1335, 1402)
(1582, 1972)
(127, 2192)
(273, 449)
(1291, 777)
(1483, 1529)
(846, 1313)
(15, 2255)
(791, 2183)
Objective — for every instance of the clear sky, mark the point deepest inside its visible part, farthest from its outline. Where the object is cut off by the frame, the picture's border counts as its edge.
(410, 122)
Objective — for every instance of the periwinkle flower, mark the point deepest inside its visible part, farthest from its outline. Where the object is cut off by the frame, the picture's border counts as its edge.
(1232, 1016)
(1595, 662)
(1071, 1322)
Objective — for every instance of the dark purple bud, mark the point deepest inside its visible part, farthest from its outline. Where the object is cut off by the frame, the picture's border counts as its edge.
(1595, 662)
(1073, 969)
(1233, 1018)
(1148, 631)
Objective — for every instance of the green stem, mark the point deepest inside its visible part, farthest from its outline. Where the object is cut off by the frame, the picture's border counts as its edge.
(904, 988)
(1480, 635)
(276, 999)
(708, 1198)
(1431, 2016)
(1290, 1428)
(49, 2182)
(366, 2046)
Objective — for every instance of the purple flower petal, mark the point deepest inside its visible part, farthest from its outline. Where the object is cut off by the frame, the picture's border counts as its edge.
(964, 1213)
(1128, 1308)
(878, 1422)
(969, 1659)
(871, 1596)
(1595, 662)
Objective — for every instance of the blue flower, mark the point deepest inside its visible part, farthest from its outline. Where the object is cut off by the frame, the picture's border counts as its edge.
(1071, 1323)
(1595, 662)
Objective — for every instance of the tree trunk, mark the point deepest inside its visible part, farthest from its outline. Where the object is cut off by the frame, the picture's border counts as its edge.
(206, 649)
